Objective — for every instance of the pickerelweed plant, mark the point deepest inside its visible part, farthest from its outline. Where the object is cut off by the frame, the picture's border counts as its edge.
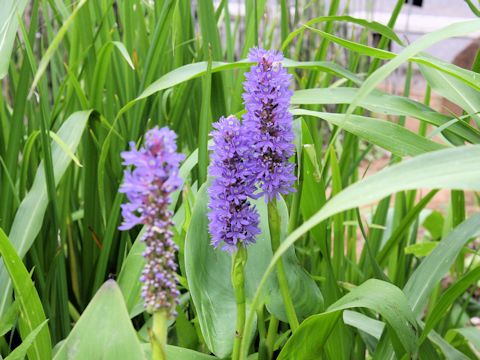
(244, 156)
(148, 187)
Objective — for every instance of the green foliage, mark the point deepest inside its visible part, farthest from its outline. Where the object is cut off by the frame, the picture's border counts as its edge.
(376, 267)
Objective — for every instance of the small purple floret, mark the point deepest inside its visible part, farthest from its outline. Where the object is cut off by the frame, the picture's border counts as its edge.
(148, 187)
(269, 123)
(232, 219)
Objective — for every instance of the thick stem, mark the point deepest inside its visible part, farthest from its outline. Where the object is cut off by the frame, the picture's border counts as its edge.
(274, 226)
(158, 336)
(239, 260)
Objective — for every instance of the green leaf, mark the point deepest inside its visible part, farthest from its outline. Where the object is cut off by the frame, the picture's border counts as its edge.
(434, 267)
(363, 322)
(12, 10)
(454, 90)
(129, 276)
(416, 47)
(381, 103)
(208, 275)
(21, 350)
(124, 52)
(472, 334)
(448, 298)
(104, 330)
(192, 71)
(421, 249)
(386, 134)
(438, 169)
(8, 319)
(42, 66)
(31, 310)
(372, 25)
(29, 217)
(309, 339)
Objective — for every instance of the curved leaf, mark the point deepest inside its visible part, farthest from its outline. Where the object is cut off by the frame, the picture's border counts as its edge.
(387, 104)
(416, 47)
(438, 169)
(386, 134)
(309, 339)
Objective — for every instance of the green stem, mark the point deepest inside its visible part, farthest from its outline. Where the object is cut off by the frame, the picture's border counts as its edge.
(158, 337)
(271, 335)
(239, 260)
(274, 226)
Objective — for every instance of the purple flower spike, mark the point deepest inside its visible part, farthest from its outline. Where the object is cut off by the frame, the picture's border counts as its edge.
(232, 219)
(148, 188)
(269, 123)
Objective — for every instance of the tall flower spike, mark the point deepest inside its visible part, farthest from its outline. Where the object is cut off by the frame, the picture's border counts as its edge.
(269, 122)
(232, 219)
(148, 188)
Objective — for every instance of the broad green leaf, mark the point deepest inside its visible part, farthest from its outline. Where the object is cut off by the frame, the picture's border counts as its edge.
(382, 103)
(208, 275)
(438, 169)
(386, 134)
(103, 331)
(309, 339)
(31, 311)
(12, 10)
(29, 217)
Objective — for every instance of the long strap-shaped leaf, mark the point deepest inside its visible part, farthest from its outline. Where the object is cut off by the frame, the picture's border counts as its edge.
(421, 44)
(32, 314)
(11, 10)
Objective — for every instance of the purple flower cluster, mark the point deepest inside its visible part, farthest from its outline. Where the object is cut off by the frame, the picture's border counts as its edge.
(232, 219)
(256, 151)
(269, 123)
(148, 187)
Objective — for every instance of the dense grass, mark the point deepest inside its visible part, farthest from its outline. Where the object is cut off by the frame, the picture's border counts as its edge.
(372, 272)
